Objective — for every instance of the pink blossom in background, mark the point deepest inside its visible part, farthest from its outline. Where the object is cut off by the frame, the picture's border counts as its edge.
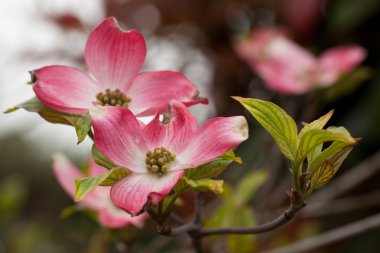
(120, 137)
(99, 199)
(288, 68)
(114, 58)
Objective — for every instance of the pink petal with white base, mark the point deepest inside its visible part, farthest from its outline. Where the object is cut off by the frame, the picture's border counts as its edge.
(66, 173)
(119, 137)
(133, 192)
(65, 89)
(285, 80)
(175, 133)
(214, 138)
(283, 65)
(152, 91)
(114, 56)
(113, 217)
(337, 61)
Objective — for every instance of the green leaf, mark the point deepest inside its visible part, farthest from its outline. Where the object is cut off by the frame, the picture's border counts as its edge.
(325, 154)
(84, 185)
(31, 105)
(338, 158)
(322, 175)
(101, 159)
(82, 125)
(204, 185)
(214, 168)
(276, 121)
(248, 186)
(316, 124)
(50, 115)
(335, 147)
(115, 175)
(312, 138)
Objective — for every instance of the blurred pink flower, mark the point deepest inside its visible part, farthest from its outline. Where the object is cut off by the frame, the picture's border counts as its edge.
(157, 154)
(99, 199)
(114, 58)
(288, 68)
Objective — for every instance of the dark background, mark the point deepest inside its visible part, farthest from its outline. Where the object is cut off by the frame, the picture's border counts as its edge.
(196, 37)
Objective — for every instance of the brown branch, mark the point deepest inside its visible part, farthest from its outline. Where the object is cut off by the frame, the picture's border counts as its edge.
(284, 218)
(332, 236)
(176, 219)
(196, 229)
(195, 236)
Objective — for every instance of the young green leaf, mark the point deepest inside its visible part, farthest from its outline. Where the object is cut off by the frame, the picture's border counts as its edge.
(313, 138)
(276, 121)
(31, 105)
(214, 168)
(204, 184)
(316, 124)
(82, 125)
(322, 175)
(338, 158)
(84, 185)
(330, 151)
(101, 159)
(50, 115)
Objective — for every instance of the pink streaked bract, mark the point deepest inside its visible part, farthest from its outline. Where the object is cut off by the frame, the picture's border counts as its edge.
(288, 68)
(114, 57)
(120, 137)
(99, 199)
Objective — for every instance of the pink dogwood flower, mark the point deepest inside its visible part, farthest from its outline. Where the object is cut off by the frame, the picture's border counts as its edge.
(289, 69)
(157, 154)
(99, 199)
(114, 57)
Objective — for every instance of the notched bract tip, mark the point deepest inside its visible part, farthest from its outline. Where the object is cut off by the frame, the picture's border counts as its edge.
(33, 77)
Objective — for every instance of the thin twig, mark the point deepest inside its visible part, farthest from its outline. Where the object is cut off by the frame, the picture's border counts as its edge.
(195, 236)
(198, 208)
(196, 229)
(284, 218)
(178, 220)
(189, 227)
(332, 236)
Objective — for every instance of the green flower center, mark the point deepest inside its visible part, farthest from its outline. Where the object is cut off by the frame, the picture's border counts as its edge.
(158, 161)
(113, 97)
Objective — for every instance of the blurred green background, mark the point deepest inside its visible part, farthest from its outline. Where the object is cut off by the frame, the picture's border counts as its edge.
(195, 37)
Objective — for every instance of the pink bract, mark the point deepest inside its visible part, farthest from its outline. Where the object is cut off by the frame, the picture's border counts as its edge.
(114, 57)
(99, 199)
(120, 137)
(288, 68)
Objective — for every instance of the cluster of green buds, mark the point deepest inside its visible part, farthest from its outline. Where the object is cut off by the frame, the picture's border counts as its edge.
(158, 161)
(113, 97)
